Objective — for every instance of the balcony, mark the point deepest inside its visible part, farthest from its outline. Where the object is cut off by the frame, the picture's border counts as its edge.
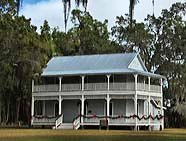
(97, 87)
(122, 86)
(46, 88)
(145, 87)
(114, 82)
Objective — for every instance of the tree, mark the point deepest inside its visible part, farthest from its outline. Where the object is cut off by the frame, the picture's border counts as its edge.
(131, 9)
(7, 6)
(46, 36)
(22, 54)
(67, 7)
(169, 30)
(161, 42)
(88, 36)
(136, 38)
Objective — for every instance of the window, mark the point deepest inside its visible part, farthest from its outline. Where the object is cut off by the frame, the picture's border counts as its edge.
(38, 108)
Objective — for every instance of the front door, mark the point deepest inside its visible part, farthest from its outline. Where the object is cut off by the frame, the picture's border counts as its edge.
(70, 110)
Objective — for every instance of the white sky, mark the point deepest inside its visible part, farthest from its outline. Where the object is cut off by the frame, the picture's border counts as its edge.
(52, 10)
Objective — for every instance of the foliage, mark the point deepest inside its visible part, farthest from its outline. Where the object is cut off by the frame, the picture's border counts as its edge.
(135, 38)
(161, 42)
(23, 53)
(88, 36)
(67, 8)
(169, 41)
(7, 6)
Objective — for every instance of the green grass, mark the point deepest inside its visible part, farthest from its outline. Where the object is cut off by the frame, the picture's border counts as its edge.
(90, 135)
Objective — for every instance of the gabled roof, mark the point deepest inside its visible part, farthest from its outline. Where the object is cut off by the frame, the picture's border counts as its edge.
(92, 64)
(137, 64)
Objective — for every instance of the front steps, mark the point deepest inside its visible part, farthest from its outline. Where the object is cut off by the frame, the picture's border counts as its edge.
(66, 126)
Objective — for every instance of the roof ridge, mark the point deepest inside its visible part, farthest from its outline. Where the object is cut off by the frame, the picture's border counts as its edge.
(95, 55)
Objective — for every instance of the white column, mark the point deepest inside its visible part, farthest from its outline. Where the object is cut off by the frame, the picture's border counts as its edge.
(162, 112)
(82, 82)
(136, 82)
(44, 107)
(60, 78)
(108, 82)
(149, 108)
(82, 107)
(161, 89)
(144, 83)
(136, 99)
(32, 110)
(60, 104)
(32, 85)
(149, 83)
(108, 106)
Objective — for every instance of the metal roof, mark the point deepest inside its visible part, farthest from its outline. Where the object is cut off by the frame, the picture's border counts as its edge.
(91, 64)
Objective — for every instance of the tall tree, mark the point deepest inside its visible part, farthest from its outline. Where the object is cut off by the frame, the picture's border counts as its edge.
(22, 53)
(136, 38)
(46, 36)
(169, 30)
(161, 42)
(67, 7)
(131, 9)
(88, 36)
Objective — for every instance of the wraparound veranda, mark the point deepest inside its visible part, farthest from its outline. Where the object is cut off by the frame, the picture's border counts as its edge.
(82, 90)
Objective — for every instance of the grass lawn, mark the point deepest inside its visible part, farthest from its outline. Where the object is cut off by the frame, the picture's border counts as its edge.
(90, 135)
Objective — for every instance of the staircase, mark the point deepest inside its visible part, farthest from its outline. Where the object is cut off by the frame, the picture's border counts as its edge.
(76, 123)
(60, 125)
(66, 126)
(58, 122)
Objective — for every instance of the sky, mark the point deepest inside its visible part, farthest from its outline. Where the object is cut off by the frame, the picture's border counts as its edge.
(52, 10)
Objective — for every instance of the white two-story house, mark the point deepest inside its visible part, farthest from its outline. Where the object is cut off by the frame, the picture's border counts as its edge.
(79, 91)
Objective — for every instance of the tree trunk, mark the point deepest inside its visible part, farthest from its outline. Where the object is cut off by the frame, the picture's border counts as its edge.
(8, 110)
(0, 108)
(28, 111)
(17, 109)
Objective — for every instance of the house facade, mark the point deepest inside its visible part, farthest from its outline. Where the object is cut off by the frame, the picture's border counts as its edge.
(80, 91)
